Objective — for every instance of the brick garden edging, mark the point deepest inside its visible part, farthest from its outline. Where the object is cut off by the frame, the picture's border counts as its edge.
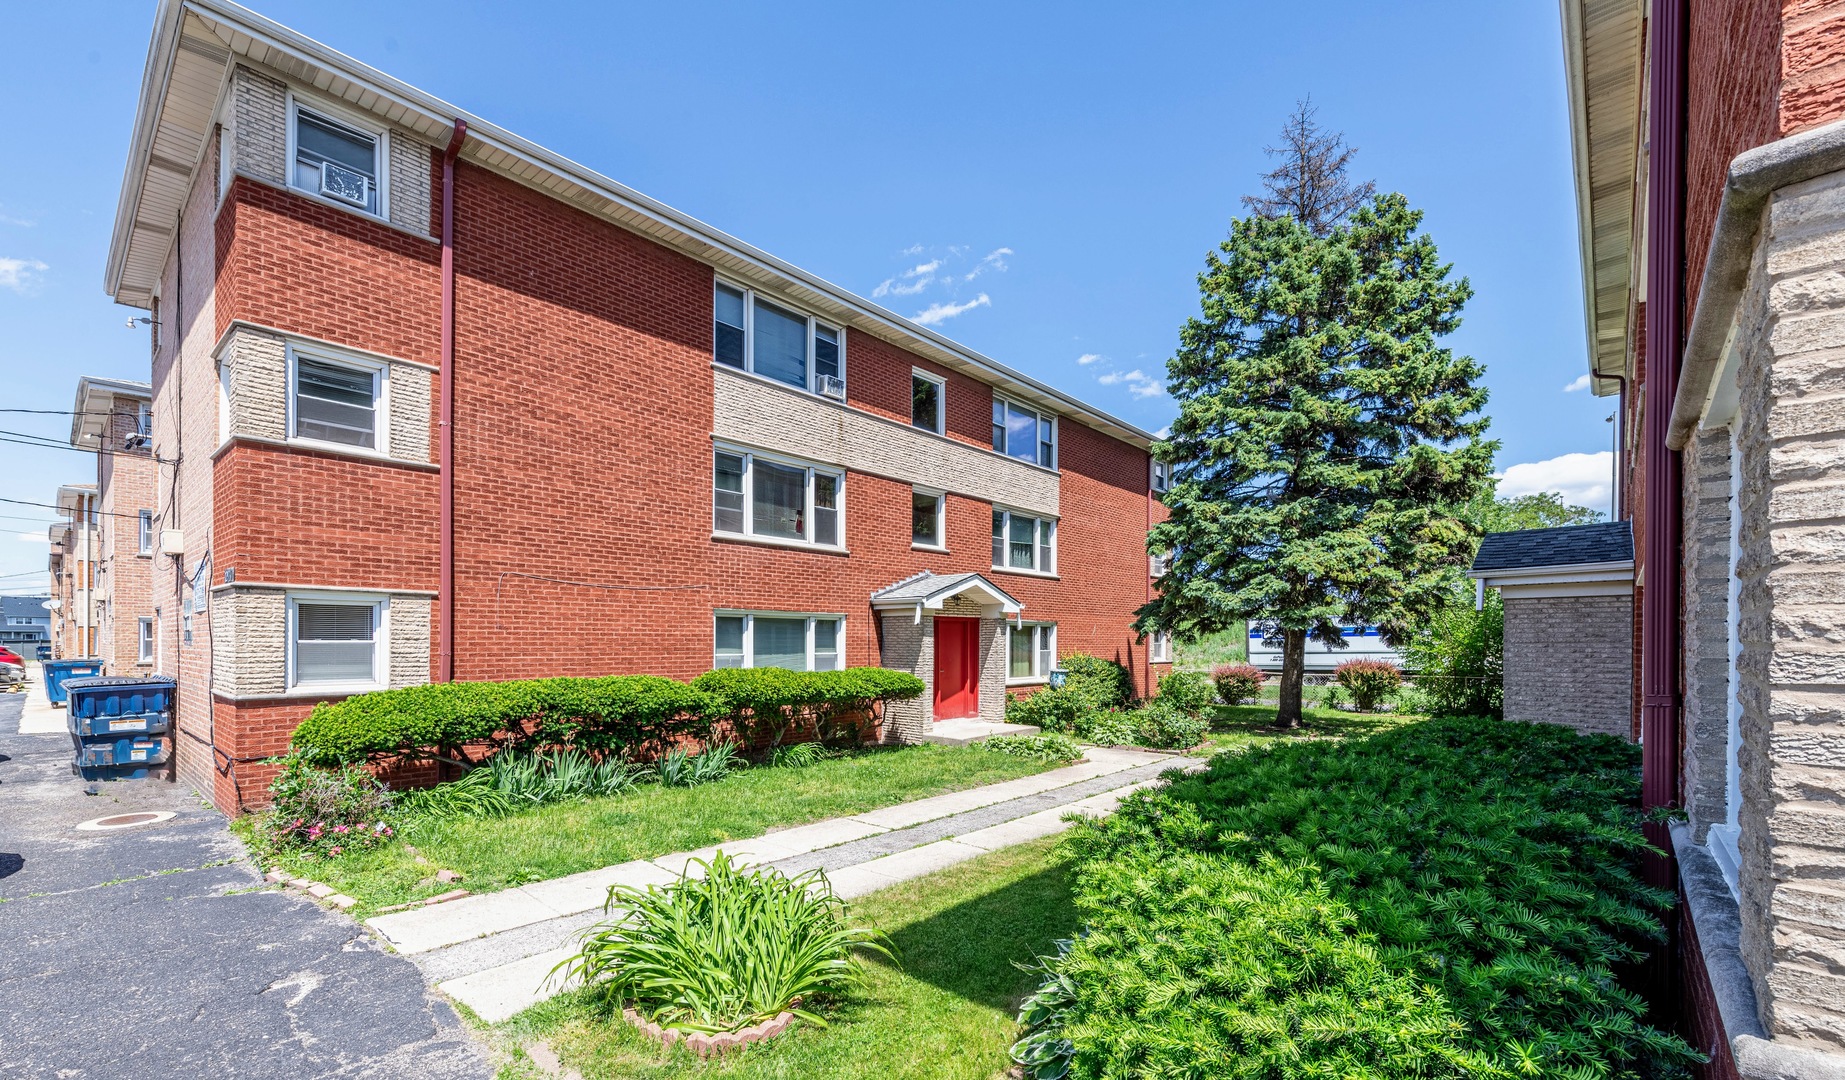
(706, 1045)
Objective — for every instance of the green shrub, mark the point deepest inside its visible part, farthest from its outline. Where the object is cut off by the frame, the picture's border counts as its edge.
(327, 811)
(1188, 691)
(1459, 659)
(774, 697)
(1165, 726)
(724, 950)
(1110, 727)
(1414, 700)
(1454, 898)
(1105, 683)
(1051, 709)
(1053, 747)
(1368, 681)
(1237, 683)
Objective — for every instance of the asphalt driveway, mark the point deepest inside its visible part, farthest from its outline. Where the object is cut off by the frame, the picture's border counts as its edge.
(156, 951)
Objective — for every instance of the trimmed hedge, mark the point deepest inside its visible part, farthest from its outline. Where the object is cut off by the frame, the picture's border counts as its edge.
(1456, 898)
(601, 715)
(765, 703)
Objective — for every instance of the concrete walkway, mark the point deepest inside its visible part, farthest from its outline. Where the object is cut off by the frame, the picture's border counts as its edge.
(495, 952)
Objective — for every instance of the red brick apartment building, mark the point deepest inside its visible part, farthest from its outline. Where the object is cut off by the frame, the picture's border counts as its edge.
(102, 559)
(1710, 170)
(397, 347)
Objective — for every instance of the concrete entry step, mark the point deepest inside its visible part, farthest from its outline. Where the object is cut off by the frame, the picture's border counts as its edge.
(968, 732)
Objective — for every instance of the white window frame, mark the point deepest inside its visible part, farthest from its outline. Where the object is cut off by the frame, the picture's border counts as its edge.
(1725, 836)
(1001, 401)
(1037, 543)
(144, 539)
(749, 632)
(144, 641)
(1158, 564)
(750, 456)
(381, 398)
(749, 337)
(1040, 672)
(1159, 647)
(343, 117)
(1161, 477)
(941, 400)
(144, 418)
(224, 401)
(941, 518)
(381, 641)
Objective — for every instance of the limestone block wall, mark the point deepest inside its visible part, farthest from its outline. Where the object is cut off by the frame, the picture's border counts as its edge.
(250, 650)
(1706, 559)
(909, 645)
(1790, 450)
(256, 363)
(1569, 660)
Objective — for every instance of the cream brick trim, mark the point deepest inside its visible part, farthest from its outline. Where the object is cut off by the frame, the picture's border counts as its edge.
(249, 629)
(257, 410)
(759, 413)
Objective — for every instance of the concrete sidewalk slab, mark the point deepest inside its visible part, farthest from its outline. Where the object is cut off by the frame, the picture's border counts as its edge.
(589, 890)
(1017, 831)
(855, 881)
(499, 993)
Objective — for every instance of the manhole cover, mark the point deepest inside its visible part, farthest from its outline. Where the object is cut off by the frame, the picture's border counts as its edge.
(125, 821)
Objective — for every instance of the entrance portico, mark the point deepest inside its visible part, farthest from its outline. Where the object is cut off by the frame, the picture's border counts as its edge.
(947, 630)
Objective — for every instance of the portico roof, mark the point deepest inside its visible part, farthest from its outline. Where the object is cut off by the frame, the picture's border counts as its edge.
(932, 590)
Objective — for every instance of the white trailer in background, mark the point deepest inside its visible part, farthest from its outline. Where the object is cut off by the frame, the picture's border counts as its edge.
(1361, 643)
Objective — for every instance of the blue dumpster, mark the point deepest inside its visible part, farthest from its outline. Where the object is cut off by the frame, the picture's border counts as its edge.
(117, 724)
(57, 671)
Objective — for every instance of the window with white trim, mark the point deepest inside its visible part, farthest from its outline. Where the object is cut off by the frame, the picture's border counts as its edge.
(928, 394)
(765, 338)
(336, 399)
(1159, 563)
(928, 519)
(335, 642)
(1162, 477)
(1024, 542)
(1024, 433)
(336, 159)
(144, 541)
(777, 499)
(750, 639)
(144, 652)
(1031, 652)
(1159, 647)
(144, 419)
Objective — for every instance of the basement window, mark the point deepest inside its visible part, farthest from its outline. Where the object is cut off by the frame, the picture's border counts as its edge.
(747, 639)
(335, 642)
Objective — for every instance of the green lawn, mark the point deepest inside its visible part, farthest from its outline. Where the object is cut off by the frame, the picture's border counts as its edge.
(650, 821)
(1229, 647)
(946, 1014)
(1238, 727)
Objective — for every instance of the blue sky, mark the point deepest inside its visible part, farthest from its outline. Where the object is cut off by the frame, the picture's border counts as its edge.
(1046, 178)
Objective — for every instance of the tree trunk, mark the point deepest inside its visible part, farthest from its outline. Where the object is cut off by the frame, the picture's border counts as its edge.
(1293, 674)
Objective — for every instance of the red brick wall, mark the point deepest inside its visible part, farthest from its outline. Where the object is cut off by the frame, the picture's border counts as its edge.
(583, 421)
(1812, 72)
(1733, 74)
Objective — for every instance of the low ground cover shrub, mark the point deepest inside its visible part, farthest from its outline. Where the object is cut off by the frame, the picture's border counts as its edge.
(1164, 725)
(1109, 727)
(1105, 683)
(1052, 709)
(1237, 683)
(328, 811)
(725, 950)
(1452, 898)
(1370, 682)
(1052, 747)
(1189, 691)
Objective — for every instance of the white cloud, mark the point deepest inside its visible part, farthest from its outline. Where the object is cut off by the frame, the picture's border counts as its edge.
(1113, 377)
(913, 249)
(1088, 358)
(938, 313)
(1164, 433)
(1581, 479)
(36, 538)
(1145, 387)
(9, 219)
(995, 260)
(1581, 383)
(911, 281)
(20, 275)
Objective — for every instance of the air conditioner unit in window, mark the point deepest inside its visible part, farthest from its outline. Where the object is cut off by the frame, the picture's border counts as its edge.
(832, 386)
(346, 185)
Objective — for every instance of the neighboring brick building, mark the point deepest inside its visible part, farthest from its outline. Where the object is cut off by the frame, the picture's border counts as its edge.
(734, 447)
(1710, 164)
(113, 418)
(76, 551)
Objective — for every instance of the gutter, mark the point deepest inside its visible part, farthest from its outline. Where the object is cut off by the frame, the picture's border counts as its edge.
(1754, 176)
(446, 544)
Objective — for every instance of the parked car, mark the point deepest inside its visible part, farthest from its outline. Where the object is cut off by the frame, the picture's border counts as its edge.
(8, 656)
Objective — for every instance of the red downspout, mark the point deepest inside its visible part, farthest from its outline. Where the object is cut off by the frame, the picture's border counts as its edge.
(1659, 613)
(446, 552)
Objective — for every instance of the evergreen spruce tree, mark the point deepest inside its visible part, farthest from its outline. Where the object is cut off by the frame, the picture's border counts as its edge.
(1325, 441)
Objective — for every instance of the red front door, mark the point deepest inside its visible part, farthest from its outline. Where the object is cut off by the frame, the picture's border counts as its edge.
(957, 668)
